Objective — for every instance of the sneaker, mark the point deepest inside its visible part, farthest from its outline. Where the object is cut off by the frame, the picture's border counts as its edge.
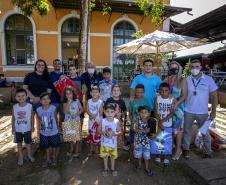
(20, 162)
(76, 155)
(32, 159)
(166, 162)
(207, 156)
(69, 154)
(186, 154)
(46, 164)
(126, 148)
(157, 160)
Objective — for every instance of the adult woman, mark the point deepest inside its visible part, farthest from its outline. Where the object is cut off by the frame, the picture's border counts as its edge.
(37, 82)
(178, 87)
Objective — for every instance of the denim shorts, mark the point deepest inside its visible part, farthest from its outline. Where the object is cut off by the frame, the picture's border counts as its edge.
(49, 141)
(23, 136)
(142, 151)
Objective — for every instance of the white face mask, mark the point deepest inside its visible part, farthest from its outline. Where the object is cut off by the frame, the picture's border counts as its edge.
(91, 70)
(195, 72)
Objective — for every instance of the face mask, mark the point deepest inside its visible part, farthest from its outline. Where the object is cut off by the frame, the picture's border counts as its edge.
(91, 70)
(195, 72)
(173, 71)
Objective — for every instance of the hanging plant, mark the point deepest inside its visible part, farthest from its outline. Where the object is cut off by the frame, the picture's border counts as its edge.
(92, 5)
(27, 6)
(106, 9)
(152, 8)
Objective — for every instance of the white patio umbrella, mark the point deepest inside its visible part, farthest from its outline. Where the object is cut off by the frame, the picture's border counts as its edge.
(159, 42)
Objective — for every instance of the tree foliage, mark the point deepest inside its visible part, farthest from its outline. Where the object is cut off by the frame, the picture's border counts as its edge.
(151, 8)
(186, 72)
(28, 6)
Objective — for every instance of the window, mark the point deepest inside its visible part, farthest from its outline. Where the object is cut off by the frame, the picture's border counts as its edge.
(19, 40)
(70, 31)
(122, 64)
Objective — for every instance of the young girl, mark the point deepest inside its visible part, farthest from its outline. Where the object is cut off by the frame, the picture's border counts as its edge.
(120, 109)
(109, 130)
(95, 112)
(71, 125)
(164, 104)
(48, 129)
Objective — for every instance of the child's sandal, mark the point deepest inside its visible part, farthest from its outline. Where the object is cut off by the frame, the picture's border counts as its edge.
(105, 173)
(90, 154)
(114, 173)
(149, 172)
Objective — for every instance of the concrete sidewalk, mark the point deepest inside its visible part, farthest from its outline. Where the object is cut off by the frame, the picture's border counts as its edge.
(206, 171)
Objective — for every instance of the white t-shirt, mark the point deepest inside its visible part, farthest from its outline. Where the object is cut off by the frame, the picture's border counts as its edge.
(109, 125)
(94, 108)
(22, 117)
(164, 106)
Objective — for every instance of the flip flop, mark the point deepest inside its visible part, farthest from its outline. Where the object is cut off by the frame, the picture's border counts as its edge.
(105, 173)
(114, 173)
(149, 172)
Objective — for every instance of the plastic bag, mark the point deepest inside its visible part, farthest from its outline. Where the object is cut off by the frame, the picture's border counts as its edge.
(61, 84)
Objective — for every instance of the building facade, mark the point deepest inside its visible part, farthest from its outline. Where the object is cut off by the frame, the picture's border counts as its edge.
(56, 35)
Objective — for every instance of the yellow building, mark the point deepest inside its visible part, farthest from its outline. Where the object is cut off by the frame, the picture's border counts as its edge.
(25, 39)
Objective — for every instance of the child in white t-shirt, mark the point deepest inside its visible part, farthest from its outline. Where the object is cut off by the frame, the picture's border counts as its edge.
(164, 111)
(95, 112)
(22, 124)
(109, 130)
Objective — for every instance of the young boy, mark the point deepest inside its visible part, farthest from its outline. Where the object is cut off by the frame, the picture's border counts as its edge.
(164, 112)
(109, 130)
(120, 109)
(22, 124)
(48, 129)
(106, 84)
(142, 142)
(138, 101)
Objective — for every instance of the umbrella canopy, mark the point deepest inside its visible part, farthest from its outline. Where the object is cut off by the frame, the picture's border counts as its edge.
(159, 42)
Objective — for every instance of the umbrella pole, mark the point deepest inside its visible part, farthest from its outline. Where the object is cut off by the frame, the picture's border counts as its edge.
(158, 64)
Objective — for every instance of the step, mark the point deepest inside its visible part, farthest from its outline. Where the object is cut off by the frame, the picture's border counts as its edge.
(206, 171)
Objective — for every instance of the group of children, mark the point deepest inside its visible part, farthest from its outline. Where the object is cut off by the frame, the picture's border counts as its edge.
(106, 110)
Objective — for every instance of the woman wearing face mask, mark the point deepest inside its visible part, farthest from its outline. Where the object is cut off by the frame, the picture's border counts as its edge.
(89, 78)
(37, 82)
(178, 88)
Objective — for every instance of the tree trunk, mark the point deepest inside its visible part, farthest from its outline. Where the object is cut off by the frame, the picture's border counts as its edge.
(84, 30)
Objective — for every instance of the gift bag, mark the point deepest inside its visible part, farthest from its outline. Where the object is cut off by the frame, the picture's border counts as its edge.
(71, 131)
(162, 143)
(61, 84)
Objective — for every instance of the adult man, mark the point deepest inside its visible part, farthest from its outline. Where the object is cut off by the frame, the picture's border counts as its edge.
(200, 87)
(149, 80)
(91, 77)
(55, 76)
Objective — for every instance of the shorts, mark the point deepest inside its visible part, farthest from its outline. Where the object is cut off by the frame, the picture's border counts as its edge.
(23, 136)
(49, 141)
(131, 136)
(140, 151)
(106, 151)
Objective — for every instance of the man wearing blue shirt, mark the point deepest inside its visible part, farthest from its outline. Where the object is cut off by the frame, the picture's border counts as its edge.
(200, 88)
(150, 81)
